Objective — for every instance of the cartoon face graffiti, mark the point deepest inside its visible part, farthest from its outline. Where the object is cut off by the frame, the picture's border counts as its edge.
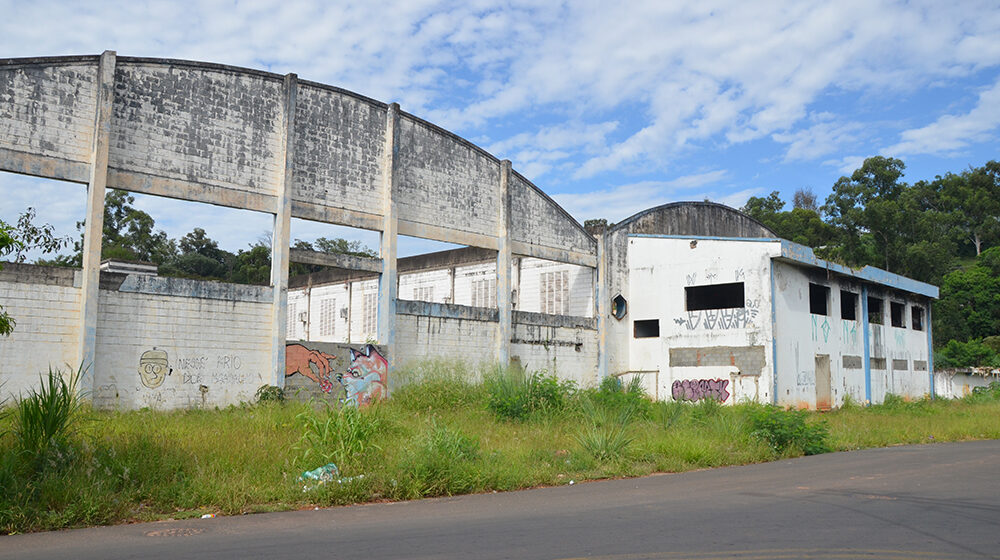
(367, 378)
(153, 368)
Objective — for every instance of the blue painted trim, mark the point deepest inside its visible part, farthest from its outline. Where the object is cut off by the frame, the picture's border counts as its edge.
(774, 339)
(930, 349)
(864, 333)
(804, 255)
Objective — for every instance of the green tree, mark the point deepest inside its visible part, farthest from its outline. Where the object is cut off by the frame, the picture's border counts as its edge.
(969, 307)
(200, 257)
(972, 200)
(8, 244)
(252, 266)
(764, 209)
(128, 233)
(31, 237)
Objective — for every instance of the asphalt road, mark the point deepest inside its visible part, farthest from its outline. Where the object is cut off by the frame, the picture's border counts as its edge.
(926, 502)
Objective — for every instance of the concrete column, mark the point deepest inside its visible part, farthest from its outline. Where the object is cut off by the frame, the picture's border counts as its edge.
(602, 305)
(866, 358)
(281, 234)
(506, 326)
(94, 223)
(387, 285)
(930, 345)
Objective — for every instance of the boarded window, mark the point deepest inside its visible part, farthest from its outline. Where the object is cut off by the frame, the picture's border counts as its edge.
(423, 293)
(370, 316)
(292, 322)
(327, 316)
(554, 294)
(848, 306)
(917, 315)
(484, 292)
(875, 311)
(878, 363)
(647, 328)
(715, 296)
(818, 297)
(896, 311)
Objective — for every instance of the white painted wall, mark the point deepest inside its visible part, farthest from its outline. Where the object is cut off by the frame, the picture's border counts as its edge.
(659, 271)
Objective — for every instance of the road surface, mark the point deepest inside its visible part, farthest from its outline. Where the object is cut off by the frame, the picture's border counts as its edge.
(925, 501)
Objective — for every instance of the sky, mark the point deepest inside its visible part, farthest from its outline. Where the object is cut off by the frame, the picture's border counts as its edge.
(609, 107)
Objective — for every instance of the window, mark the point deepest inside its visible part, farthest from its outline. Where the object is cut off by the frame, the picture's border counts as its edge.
(818, 298)
(896, 311)
(291, 323)
(848, 305)
(715, 296)
(423, 293)
(484, 292)
(647, 328)
(917, 315)
(327, 316)
(619, 307)
(370, 317)
(555, 292)
(875, 310)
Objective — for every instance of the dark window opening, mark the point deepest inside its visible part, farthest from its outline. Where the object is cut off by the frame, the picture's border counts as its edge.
(848, 306)
(896, 311)
(619, 307)
(875, 310)
(918, 317)
(715, 296)
(647, 328)
(818, 298)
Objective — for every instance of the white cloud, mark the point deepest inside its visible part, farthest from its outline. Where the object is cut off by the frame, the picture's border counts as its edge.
(820, 139)
(847, 164)
(953, 132)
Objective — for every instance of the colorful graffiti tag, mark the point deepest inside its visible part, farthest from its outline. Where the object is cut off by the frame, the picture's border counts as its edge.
(698, 389)
(366, 379)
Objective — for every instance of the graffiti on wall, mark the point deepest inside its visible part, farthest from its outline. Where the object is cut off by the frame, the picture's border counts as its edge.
(365, 380)
(850, 333)
(699, 389)
(154, 368)
(721, 319)
(818, 328)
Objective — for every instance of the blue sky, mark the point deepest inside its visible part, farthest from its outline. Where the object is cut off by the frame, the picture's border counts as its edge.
(608, 108)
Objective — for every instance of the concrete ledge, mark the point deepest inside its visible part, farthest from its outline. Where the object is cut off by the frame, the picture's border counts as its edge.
(183, 287)
(446, 311)
(346, 262)
(545, 320)
(37, 274)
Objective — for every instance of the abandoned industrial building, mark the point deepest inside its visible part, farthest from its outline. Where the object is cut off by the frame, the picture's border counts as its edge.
(696, 299)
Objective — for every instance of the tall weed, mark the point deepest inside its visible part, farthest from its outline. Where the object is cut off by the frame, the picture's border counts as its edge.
(444, 461)
(786, 430)
(513, 394)
(343, 436)
(43, 420)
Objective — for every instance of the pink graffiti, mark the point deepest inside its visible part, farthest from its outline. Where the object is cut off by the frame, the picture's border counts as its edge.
(698, 389)
(367, 378)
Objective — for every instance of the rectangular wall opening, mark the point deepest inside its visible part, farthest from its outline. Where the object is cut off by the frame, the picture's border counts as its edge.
(438, 272)
(646, 328)
(896, 311)
(44, 202)
(552, 287)
(848, 305)
(875, 310)
(819, 297)
(917, 315)
(715, 296)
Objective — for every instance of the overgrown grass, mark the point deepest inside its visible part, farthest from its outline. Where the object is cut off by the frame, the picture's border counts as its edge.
(444, 433)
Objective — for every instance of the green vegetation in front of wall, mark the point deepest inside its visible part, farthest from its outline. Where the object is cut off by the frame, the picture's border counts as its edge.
(444, 432)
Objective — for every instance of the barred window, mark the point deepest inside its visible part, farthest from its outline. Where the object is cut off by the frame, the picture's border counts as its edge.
(423, 293)
(555, 292)
(370, 315)
(327, 316)
(293, 319)
(484, 292)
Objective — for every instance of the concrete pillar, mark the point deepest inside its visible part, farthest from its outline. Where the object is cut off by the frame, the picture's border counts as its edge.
(506, 326)
(602, 305)
(94, 223)
(930, 345)
(866, 358)
(281, 234)
(387, 285)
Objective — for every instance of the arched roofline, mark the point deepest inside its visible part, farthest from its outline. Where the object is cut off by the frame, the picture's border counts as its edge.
(624, 224)
(59, 60)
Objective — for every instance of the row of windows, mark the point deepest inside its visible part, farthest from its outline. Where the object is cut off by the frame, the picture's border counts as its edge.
(819, 297)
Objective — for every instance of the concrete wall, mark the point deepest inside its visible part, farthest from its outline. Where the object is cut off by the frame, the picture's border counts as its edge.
(898, 356)
(46, 305)
(723, 351)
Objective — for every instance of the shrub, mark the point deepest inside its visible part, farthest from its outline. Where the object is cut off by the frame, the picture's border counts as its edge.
(787, 429)
(270, 393)
(984, 394)
(43, 421)
(607, 435)
(615, 395)
(512, 394)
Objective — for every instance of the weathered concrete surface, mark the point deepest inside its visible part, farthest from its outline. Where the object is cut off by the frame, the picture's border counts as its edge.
(930, 501)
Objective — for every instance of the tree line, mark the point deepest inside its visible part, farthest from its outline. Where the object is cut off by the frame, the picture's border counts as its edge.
(944, 231)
